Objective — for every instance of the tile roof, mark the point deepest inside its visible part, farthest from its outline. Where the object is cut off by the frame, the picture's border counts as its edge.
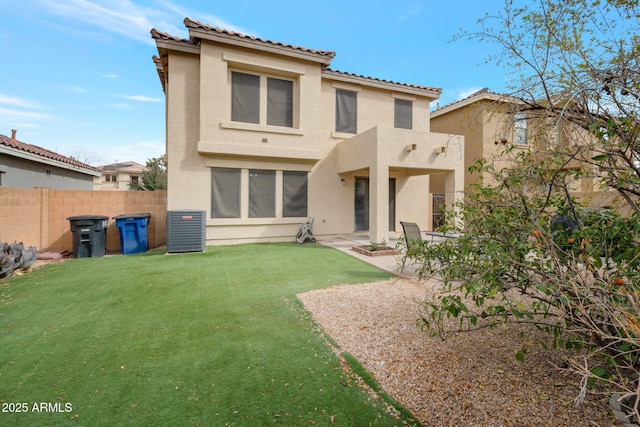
(484, 93)
(125, 167)
(43, 152)
(190, 23)
(325, 55)
(435, 90)
(161, 35)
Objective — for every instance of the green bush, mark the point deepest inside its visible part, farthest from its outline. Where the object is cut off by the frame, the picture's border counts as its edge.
(510, 265)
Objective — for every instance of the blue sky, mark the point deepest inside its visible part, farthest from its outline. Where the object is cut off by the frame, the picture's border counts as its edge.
(76, 76)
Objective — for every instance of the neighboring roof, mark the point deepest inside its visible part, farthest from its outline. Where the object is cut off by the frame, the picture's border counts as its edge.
(123, 167)
(38, 154)
(484, 94)
(433, 92)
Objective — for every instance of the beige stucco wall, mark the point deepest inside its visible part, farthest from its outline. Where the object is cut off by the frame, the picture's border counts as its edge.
(482, 124)
(200, 135)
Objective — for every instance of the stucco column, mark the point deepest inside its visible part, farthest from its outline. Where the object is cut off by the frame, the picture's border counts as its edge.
(454, 193)
(379, 202)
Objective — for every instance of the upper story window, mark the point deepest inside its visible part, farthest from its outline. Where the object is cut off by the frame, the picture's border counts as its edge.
(346, 111)
(520, 129)
(247, 104)
(110, 178)
(403, 114)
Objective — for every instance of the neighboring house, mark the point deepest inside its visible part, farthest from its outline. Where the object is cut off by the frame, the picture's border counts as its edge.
(262, 135)
(490, 121)
(27, 166)
(118, 176)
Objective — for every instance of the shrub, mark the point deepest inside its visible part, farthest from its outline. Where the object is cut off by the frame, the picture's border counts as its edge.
(513, 264)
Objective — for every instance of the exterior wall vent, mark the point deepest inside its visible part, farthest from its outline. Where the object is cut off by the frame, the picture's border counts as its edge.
(186, 231)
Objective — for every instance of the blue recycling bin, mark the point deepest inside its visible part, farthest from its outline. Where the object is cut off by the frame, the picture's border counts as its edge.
(133, 232)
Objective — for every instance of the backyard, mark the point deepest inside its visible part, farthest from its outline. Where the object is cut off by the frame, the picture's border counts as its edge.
(213, 338)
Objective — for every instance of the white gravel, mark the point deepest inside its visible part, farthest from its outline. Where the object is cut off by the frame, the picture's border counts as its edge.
(470, 379)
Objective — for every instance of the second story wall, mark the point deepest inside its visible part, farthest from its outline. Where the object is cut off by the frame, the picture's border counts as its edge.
(260, 127)
(376, 105)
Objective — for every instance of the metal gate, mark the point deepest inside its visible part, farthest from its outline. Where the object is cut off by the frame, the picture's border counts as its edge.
(437, 211)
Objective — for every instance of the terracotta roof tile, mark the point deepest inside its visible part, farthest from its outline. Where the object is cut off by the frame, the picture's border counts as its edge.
(161, 35)
(42, 152)
(488, 94)
(190, 23)
(408, 85)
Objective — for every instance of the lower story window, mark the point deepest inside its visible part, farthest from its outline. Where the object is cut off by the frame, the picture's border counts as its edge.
(225, 193)
(262, 193)
(294, 194)
(242, 193)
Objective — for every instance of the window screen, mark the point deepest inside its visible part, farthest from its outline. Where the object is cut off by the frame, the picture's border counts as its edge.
(403, 114)
(225, 193)
(346, 111)
(262, 193)
(279, 102)
(294, 194)
(245, 97)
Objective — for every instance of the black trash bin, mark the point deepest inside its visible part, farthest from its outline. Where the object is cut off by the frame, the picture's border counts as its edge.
(89, 235)
(133, 232)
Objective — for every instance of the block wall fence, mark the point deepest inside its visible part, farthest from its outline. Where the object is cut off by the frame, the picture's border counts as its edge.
(39, 216)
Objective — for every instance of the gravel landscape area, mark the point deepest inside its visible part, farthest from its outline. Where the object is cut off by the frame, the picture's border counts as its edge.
(470, 379)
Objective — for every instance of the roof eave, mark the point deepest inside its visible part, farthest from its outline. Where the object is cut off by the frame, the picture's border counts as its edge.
(44, 160)
(490, 97)
(431, 93)
(229, 39)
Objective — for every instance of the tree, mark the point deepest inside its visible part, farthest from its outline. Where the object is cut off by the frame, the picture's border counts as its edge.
(530, 252)
(154, 177)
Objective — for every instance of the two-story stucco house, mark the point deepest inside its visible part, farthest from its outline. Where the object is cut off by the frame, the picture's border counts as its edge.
(490, 121)
(118, 176)
(263, 134)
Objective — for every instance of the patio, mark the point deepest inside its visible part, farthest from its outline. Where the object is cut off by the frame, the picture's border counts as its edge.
(390, 263)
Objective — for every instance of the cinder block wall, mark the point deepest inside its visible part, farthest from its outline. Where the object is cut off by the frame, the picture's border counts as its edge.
(20, 215)
(39, 217)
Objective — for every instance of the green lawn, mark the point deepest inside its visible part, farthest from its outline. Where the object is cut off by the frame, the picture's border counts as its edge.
(212, 339)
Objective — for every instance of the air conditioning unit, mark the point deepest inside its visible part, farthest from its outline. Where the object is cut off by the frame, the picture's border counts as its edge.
(186, 231)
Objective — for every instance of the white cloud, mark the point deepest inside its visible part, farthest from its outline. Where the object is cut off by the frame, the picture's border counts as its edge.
(110, 76)
(412, 11)
(25, 125)
(122, 106)
(142, 98)
(128, 19)
(463, 93)
(205, 18)
(122, 17)
(19, 102)
(11, 114)
(74, 89)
